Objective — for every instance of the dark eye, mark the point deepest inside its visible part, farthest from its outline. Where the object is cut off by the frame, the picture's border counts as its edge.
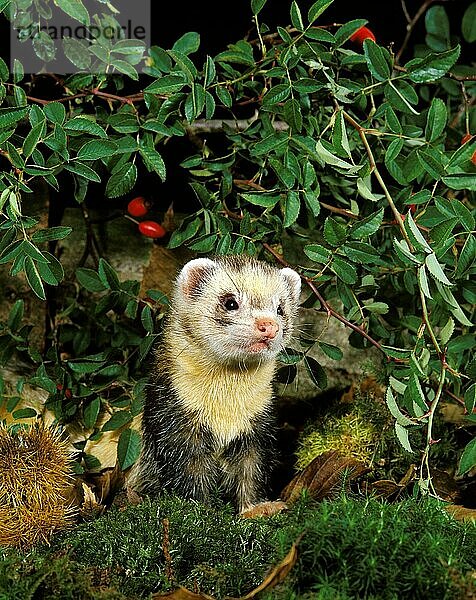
(230, 304)
(280, 311)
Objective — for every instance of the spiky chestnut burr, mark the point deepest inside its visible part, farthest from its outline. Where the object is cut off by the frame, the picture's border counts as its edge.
(35, 485)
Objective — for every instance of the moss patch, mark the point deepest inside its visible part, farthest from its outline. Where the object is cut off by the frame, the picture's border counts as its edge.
(350, 548)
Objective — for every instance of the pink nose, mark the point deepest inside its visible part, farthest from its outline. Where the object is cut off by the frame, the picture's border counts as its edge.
(267, 328)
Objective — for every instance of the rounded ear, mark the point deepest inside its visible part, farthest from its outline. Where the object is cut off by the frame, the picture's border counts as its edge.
(294, 282)
(193, 275)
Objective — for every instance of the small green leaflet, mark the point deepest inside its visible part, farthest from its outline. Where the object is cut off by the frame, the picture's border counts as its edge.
(264, 199)
(128, 448)
(402, 435)
(317, 9)
(377, 62)
(468, 458)
(75, 9)
(433, 66)
(367, 226)
(394, 410)
(122, 181)
(436, 120)
(436, 270)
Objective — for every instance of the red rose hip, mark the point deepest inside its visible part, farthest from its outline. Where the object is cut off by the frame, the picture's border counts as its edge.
(151, 229)
(137, 207)
(364, 33)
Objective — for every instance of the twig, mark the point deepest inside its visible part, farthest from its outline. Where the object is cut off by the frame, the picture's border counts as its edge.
(411, 25)
(374, 168)
(327, 307)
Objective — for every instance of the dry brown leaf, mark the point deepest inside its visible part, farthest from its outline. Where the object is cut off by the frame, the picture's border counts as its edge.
(264, 509)
(90, 506)
(384, 488)
(322, 476)
(181, 593)
(108, 483)
(461, 513)
(445, 485)
(277, 575)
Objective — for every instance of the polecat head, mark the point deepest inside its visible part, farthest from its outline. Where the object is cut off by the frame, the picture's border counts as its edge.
(236, 308)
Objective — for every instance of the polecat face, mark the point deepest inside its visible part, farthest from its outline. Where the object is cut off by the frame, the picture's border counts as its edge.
(236, 308)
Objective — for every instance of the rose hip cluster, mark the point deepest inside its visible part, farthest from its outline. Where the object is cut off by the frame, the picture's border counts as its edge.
(139, 207)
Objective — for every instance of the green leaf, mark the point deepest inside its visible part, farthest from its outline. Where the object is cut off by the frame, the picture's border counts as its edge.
(344, 270)
(257, 6)
(436, 120)
(91, 412)
(278, 93)
(147, 320)
(24, 413)
(394, 410)
(55, 112)
(10, 116)
(423, 282)
(334, 232)
(209, 72)
(128, 448)
(15, 315)
(118, 420)
(317, 9)
(79, 168)
(468, 24)
(108, 275)
(292, 206)
(331, 351)
(418, 238)
(296, 18)
(90, 280)
(188, 43)
(460, 181)
(433, 66)
(195, 102)
(377, 62)
(77, 52)
(436, 270)
(75, 9)
(96, 149)
(264, 199)
(293, 115)
(470, 398)
(224, 96)
(33, 138)
(50, 234)
(122, 181)
(185, 64)
(402, 436)
(446, 332)
(83, 124)
(153, 160)
(367, 226)
(317, 373)
(468, 458)
(168, 84)
(33, 278)
(317, 253)
(44, 46)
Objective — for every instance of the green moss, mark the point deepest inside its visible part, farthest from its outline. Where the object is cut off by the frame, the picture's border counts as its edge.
(370, 549)
(349, 434)
(349, 548)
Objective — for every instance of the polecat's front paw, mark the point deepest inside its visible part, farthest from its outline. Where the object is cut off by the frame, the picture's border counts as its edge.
(263, 509)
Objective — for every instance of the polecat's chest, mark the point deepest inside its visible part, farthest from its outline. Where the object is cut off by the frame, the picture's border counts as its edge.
(227, 403)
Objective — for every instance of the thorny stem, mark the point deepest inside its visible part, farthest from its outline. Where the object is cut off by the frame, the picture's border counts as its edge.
(374, 168)
(326, 306)
(425, 465)
(426, 319)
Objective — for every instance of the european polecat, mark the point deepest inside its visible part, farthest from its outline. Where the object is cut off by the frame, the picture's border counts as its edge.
(208, 421)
